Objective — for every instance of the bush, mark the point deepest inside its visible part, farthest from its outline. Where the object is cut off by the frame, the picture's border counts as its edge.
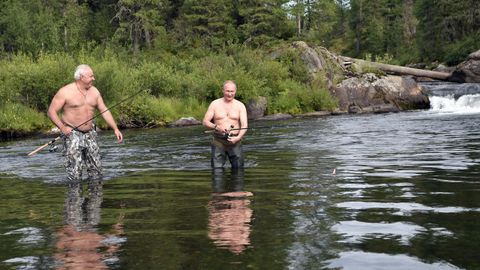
(34, 83)
(459, 51)
(148, 111)
(20, 118)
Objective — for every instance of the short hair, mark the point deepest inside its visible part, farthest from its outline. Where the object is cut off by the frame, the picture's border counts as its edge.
(79, 71)
(229, 82)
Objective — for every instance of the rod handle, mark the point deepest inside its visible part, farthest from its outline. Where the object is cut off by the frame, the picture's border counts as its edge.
(43, 146)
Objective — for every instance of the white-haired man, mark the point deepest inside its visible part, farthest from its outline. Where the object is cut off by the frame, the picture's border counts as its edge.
(78, 101)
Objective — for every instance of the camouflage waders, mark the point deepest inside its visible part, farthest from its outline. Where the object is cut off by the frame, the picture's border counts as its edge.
(81, 151)
(223, 149)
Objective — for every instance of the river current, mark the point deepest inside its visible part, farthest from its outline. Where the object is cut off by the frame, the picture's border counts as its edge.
(376, 191)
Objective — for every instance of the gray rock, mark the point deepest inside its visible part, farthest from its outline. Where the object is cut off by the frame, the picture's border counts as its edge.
(386, 94)
(185, 121)
(474, 56)
(256, 108)
(468, 71)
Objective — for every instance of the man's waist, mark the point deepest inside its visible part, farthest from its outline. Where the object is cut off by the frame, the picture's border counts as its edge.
(223, 142)
(85, 129)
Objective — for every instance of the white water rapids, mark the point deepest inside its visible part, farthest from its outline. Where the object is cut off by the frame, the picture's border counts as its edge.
(453, 98)
(448, 104)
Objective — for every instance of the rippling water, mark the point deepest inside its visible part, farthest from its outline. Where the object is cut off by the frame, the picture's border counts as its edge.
(387, 191)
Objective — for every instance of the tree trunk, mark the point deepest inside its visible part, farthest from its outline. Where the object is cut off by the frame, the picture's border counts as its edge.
(399, 69)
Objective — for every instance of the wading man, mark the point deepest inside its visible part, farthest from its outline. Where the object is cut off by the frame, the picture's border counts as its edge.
(228, 119)
(78, 101)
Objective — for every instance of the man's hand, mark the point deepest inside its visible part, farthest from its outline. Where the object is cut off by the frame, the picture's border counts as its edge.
(119, 135)
(233, 140)
(66, 130)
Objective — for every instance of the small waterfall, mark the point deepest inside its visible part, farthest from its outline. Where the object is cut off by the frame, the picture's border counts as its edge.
(453, 97)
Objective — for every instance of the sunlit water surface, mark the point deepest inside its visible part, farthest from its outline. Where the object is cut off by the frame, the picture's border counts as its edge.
(387, 191)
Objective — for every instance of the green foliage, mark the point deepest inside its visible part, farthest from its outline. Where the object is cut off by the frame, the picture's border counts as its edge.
(210, 23)
(386, 58)
(408, 30)
(263, 21)
(19, 118)
(178, 86)
(295, 98)
(443, 23)
(149, 111)
(290, 58)
(34, 84)
(139, 22)
(459, 51)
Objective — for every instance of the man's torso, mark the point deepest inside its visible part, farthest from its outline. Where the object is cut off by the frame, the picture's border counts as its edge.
(227, 115)
(79, 107)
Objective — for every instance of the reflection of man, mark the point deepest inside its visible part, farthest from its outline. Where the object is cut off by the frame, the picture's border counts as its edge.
(78, 241)
(230, 213)
(228, 118)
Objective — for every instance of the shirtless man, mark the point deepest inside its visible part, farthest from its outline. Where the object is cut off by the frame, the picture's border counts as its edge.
(228, 118)
(78, 101)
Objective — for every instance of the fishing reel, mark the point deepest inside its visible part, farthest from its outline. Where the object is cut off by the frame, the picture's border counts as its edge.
(53, 148)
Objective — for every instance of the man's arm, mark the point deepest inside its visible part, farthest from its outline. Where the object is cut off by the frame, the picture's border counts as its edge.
(243, 124)
(56, 105)
(207, 119)
(107, 115)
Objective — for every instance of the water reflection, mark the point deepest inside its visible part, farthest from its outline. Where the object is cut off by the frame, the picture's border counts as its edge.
(229, 212)
(79, 244)
(366, 261)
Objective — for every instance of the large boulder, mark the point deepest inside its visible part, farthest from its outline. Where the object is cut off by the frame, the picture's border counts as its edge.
(256, 108)
(468, 71)
(318, 61)
(357, 92)
(369, 93)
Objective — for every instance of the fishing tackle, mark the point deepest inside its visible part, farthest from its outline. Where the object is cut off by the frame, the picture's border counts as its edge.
(53, 148)
(52, 142)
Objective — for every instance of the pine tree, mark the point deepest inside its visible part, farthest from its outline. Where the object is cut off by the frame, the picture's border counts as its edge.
(139, 21)
(263, 21)
(206, 22)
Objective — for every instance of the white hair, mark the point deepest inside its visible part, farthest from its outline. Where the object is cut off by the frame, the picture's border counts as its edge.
(79, 71)
(229, 82)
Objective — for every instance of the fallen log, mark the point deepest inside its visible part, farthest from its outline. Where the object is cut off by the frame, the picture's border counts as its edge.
(444, 76)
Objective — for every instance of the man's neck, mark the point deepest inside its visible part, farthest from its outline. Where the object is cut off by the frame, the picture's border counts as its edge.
(80, 86)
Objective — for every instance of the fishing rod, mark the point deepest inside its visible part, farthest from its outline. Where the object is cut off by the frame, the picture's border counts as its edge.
(97, 115)
(226, 130)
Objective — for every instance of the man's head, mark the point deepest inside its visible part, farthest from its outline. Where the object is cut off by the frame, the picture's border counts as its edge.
(229, 90)
(84, 74)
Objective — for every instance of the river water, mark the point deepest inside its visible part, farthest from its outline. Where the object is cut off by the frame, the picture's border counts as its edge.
(377, 191)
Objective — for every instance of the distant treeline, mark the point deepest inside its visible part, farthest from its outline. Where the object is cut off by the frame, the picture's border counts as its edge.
(407, 30)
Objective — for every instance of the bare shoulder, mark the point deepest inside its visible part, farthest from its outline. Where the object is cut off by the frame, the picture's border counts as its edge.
(94, 91)
(65, 90)
(215, 103)
(239, 104)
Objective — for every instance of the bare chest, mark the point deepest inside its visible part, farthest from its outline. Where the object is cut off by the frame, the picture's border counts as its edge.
(230, 112)
(78, 100)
